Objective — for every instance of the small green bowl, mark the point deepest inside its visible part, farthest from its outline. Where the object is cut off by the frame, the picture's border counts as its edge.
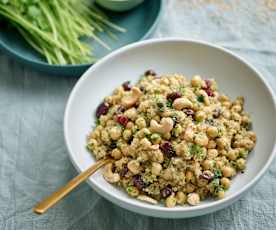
(119, 5)
(138, 22)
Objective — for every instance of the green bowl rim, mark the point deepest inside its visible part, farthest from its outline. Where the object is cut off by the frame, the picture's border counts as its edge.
(44, 64)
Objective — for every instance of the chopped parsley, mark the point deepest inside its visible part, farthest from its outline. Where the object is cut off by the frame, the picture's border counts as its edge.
(200, 98)
(217, 174)
(98, 122)
(161, 106)
(182, 90)
(195, 150)
(169, 103)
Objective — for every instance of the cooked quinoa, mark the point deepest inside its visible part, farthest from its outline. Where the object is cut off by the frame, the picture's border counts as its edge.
(174, 140)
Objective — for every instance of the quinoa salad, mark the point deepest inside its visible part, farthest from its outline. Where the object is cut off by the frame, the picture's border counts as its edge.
(174, 141)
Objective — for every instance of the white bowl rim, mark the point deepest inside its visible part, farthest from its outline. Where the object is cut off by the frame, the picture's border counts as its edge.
(216, 205)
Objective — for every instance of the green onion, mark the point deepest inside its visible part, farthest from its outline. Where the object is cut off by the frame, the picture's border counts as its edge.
(58, 29)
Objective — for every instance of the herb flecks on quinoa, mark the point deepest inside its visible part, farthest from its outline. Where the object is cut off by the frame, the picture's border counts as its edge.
(178, 141)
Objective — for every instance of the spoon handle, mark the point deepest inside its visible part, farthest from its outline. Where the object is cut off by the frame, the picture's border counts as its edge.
(51, 200)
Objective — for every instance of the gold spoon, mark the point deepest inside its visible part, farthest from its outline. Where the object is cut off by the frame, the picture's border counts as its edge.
(51, 200)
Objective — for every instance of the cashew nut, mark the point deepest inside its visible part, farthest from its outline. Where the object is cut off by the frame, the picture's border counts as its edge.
(165, 126)
(132, 98)
(147, 199)
(181, 103)
(109, 175)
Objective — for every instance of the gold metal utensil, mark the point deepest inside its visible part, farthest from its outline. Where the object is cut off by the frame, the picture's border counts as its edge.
(51, 200)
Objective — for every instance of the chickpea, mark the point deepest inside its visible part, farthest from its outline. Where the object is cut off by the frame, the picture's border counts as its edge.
(226, 114)
(220, 194)
(196, 81)
(200, 116)
(212, 132)
(131, 114)
(245, 119)
(227, 171)
(156, 168)
(207, 164)
(219, 164)
(193, 199)
(127, 134)
(189, 175)
(223, 98)
(132, 191)
(189, 134)
(236, 108)
(201, 139)
(167, 174)
(134, 166)
(116, 154)
(170, 201)
(140, 122)
(252, 136)
(145, 143)
(225, 182)
(129, 125)
(157, 156)
(232, 154)
(241, 163)
(211, 144)
(226, 104)
(105, 136)
(180, 197)
(115, 132)
(236, 117)
(222, 142)
(248, 144)
(190, 188)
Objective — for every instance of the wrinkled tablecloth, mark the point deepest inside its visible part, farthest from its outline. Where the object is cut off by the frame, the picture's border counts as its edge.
(33, 157)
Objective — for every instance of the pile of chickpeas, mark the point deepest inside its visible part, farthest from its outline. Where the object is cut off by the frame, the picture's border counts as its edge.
(174, 140)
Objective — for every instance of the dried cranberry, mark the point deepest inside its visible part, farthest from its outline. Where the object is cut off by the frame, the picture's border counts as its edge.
(138, 182)
(209, 92)
(165, 192)
(102, 109)
(208, 83)
(126, 86)
(150, 73)
(167, 149)
(206, 176)
(189, 112)
(122, 120)
(124, 171)
(173, 96)
(208, 89)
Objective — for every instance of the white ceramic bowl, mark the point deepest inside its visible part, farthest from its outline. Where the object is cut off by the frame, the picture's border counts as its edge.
(235, 77)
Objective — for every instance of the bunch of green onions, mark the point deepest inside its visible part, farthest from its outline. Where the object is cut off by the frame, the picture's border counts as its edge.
(58, 29)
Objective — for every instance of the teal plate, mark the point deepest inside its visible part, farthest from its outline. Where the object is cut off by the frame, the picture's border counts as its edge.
(139, 22)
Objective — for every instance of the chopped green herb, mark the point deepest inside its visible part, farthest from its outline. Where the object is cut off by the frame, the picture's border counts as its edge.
(98, 122)
(160, 106)
(217, 174)
(195, 149)
(243, 153)
(182, 90)
(169, 103)
(200, 98)
(166, 163)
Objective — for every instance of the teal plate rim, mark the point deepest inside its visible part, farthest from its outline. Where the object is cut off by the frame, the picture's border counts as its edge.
(27, 60)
